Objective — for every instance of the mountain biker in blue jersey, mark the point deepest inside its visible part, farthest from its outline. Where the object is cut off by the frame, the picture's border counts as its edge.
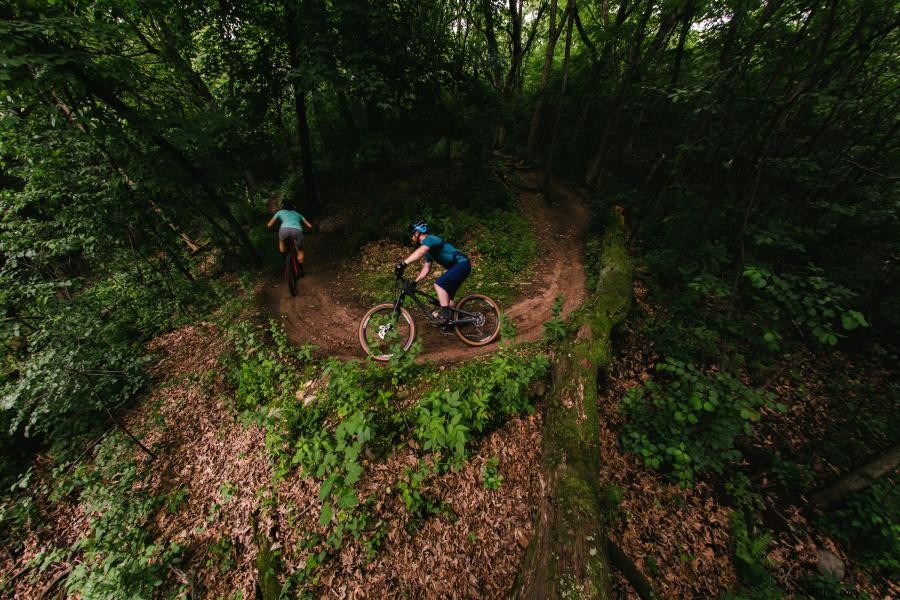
(290, 228)
(434, 249)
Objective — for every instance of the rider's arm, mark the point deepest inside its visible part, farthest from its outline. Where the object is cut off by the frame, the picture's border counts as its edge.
(307, 223)
(271, 222)
(419, 253)
(426, 269)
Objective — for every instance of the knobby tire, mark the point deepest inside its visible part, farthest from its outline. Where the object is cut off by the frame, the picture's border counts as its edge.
(479, 335)
(367, 327)
(290, 272)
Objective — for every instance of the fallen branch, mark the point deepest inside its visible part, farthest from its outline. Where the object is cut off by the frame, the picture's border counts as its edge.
(187, 580)
(883, 463)
(131, 435)
(86, 450)
(55, 581)
(629, 570)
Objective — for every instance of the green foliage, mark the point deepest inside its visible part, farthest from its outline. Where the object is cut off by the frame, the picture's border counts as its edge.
(476, 397)
(18, 510)
(809, 300)
(689, 423)
(490, 474)
(417, 503)
(119, 557)
(750, 549)
(221, 554)
(738, 488)
(507, 330)
(870, 522)
(79, 364)
(555, 329)
(261, 370)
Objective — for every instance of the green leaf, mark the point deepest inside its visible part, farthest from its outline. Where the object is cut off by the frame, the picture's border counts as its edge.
(348, 500)
(327, 513)
(354, 470)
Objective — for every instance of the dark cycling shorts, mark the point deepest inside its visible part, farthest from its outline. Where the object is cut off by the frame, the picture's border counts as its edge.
(454, 276)
(295, 234)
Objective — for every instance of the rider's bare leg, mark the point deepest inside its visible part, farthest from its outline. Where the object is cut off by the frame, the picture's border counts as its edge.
(281, 246)
(300, 256)
(443, 296)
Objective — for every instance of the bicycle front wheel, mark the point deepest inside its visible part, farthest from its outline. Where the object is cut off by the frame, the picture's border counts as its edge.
(485, 325)
(382, 331)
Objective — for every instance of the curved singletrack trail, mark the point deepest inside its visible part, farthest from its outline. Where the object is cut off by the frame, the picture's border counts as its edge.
(319, 315)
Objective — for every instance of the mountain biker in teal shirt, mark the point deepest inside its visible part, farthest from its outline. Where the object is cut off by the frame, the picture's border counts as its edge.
(292, 228)
(433, 249)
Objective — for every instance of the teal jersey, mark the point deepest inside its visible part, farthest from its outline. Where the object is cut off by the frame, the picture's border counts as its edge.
(444, 253)
(290, 218)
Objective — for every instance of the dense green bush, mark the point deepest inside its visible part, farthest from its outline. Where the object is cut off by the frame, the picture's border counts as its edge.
(120, 556)
(870, 522)
(809, 300)
(690, 422)
(476, 397)
(80, 363)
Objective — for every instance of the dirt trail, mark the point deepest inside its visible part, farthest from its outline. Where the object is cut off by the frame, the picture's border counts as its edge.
(318, 315)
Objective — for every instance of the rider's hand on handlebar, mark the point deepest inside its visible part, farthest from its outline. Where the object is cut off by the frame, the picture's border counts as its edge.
(399, 268)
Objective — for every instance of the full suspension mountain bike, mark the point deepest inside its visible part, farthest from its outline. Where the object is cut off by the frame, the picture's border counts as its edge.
(475, 319)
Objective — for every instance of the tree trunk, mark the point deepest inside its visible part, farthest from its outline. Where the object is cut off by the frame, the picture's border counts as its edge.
(490, 37)
(515, 61)
(553, 35)
(567, 556)
(562, 93)
(686, 21)
(630, 76)
(860, 478)
(309, 184)
(292, 17)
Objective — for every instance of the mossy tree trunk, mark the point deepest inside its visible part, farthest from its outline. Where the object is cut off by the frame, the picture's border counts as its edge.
(567, 556)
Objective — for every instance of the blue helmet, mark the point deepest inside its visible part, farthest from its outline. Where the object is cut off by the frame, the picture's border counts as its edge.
(418, 225)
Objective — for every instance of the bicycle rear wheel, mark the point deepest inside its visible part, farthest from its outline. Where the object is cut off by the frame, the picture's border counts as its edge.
(486, 325)
(382, 330)
(290, 270)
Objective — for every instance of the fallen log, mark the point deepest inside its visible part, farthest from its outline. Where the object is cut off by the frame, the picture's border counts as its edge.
(567, 556)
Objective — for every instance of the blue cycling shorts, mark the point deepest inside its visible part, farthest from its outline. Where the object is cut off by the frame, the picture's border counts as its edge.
(454, 276)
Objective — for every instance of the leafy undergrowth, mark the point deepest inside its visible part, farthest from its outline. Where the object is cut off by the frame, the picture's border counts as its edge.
(708, 489)
(361, 477)
(501, 244)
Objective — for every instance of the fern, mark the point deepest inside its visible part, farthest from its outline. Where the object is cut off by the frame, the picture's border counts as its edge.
(748, 549)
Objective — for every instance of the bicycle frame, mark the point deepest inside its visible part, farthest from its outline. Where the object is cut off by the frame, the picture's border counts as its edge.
(409, 290)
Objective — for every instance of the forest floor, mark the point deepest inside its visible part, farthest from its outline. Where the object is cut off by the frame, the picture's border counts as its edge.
(220, 470)
(326, 312)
